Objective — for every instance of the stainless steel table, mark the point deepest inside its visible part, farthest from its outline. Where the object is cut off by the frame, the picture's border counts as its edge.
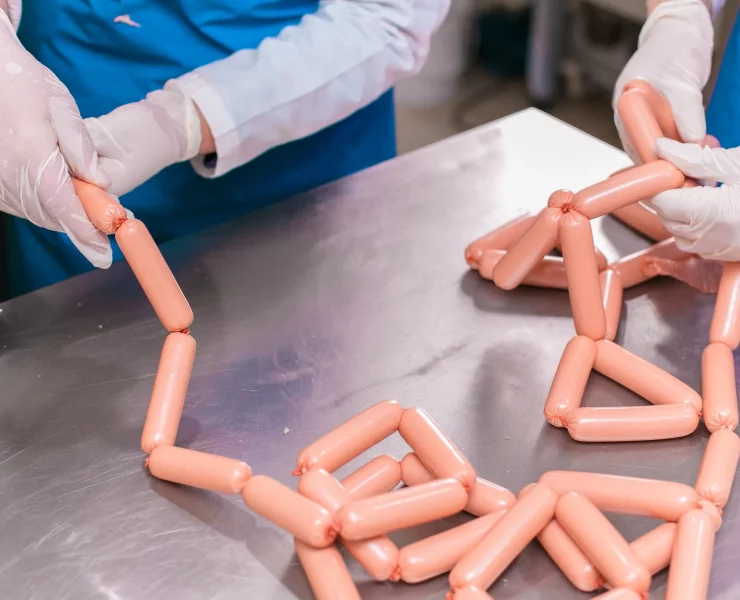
(307, 313)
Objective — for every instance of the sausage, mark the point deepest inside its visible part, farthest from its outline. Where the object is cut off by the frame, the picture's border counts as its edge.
(620, 594)
(643, 220)
(530, 249)
(468, 593)
(506, 539)
(659, 106)
(718, 467)
(155, 277)
(611, 293)
(437, 554)
(485, 498)
(380, 475)
(103, 210)
(301, 517)
(688, 576)
(199, 469)
(371, 517)
(718, 387)
(582, 274)
(560, 199)
(570, 380)
(548, 273)
(664, 500)
(498, 239)
(564, 552)
(378, 556)
(714, 513)
(599, 540)
(725, 326)
(654, 549)
(630, 186)
(652, 383)
(632, 423)
(352, 438)
(434, 448)
(633, 269)
(168, 395)
(640, 124)
(326, 572)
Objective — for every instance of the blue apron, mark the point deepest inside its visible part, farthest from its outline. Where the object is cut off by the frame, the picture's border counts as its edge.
(723, 112)
(105, 65)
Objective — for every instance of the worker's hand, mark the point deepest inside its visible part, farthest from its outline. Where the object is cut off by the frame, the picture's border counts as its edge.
(675, 56)
(42, 139)
(136, 141)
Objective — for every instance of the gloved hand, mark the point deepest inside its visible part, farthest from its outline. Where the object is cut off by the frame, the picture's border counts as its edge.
(675, 56)
(42, 138)
(136, 141)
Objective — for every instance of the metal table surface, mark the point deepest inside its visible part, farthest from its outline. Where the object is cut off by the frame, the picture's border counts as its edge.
(307, 313)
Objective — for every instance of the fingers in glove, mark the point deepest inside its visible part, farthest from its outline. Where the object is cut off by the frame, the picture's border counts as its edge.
(712, 164)
(688, 112)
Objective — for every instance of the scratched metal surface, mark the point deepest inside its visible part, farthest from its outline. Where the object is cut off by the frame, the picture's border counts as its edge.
(305, 314)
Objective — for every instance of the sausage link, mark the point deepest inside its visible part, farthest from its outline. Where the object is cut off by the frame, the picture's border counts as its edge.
(654, 549)
(664, 500)
(640, 124)
(629, 186)
(560, 199)
(498, 239)
(632, 423)
(530, 249)
(601, 543)
(352, 438)
(718, 467)
(168, 395)
(634, 268)
(380, 475)
(506, 539)
(660, 107)
(652, 383)
(468, 593)
(718, 387)
(326, 572)
(303, 518)
(434, 448)
(569, 383)
(371, 517)
(103, 210)
(688, 576)
(582, 273)
(725, 326)
(643, 220)
(548, 273)
(564, 552)
(714, 513)
(155, 277)
(437, 554)
(611, 293)
(199, 469)
(485, 498)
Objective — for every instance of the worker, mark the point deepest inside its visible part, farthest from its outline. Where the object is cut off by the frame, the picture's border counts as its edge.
(197, 112)
(675, 55)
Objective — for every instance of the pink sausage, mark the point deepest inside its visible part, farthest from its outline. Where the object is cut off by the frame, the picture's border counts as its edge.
(485, 498)
(664, 500)
(168, 395)
(103, 210)
(379, 476)
(632, 423)
(718, 467)
(469, 593)
(371, 517)
(638, 375)
(437, 554)
(620, 594)
(564, 552)
(326, 572)
(601, 543)
(506, 539)
(611, 293)
(718, 387)
(688, 576)
(654, 549)
(352, 438)
(642, 219)
(570, 380)
(303, 518)
(548, 273)
(530, 249)
(725, 326)
(660, 107)
(560, 199)
(154, 275)
(498, 239)
(199, 469)
(714, 513)
(630, 186)
(640, 124)
(434, 448)
(633, 269)
(582, 273)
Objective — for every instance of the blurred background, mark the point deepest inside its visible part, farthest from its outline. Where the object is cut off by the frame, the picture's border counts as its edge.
(494, 57)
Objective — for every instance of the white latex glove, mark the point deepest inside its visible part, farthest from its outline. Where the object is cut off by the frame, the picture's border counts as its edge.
(136, 141)
(704, 220)
(42, 138)
(675, 56)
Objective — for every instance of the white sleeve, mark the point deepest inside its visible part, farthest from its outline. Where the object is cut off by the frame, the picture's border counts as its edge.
(310, 76)
(14, 12)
